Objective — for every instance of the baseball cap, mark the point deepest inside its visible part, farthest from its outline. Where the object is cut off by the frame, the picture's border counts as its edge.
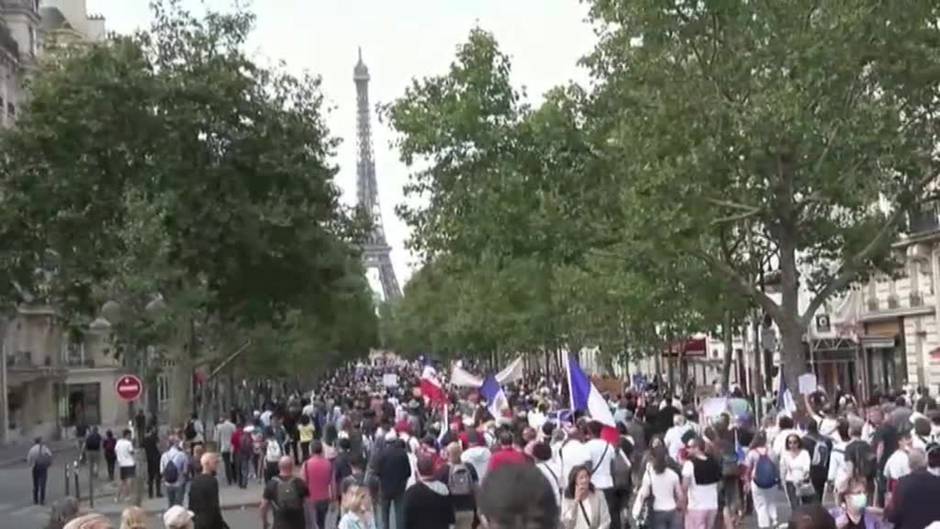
(177, 516)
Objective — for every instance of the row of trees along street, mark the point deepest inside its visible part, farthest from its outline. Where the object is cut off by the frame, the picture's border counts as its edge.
(716, 141)
(167, 179)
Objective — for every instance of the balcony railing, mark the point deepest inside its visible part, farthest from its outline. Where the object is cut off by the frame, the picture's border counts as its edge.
(923, 221)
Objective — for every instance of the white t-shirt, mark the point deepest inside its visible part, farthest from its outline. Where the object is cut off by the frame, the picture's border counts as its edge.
(572, 454)
(794, 468)
(124, 451)
(662, 487)
(552, 473)
(701, 497)
(673, 439)
(602, 454)
(898, 465)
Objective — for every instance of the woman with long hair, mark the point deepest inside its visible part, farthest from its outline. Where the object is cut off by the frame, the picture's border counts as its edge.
(583, 507)
(134, 518)
(759, 462)
(357, 509)
(664, 486)
(794, 468)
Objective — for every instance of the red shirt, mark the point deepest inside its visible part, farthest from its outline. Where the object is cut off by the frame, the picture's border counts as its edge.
(318, 473)
(506, 456)
(236, 441)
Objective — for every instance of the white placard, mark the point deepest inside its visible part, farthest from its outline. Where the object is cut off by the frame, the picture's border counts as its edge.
(390, 380)
(808, 383)
(714, 406)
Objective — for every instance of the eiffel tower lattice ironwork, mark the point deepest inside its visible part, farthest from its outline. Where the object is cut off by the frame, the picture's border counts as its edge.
(376, 249)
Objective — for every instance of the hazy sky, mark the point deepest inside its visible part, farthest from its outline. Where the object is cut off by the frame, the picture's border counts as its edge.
(400, 39)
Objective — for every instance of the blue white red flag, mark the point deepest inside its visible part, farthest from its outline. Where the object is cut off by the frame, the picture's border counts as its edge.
(496, 399)
(586, 397)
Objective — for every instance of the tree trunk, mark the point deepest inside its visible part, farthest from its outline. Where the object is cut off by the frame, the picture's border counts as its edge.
(726, 359)
(180, 382)
(181, 379)
(792, 357)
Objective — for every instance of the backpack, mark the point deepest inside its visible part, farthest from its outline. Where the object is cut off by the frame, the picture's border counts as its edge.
(766, 475)
(621, 472)
(171, 473)
(729, 463)
(190, 431)
(864, 462)
(246, 445)
(93, 442)
(820, 458)
(459, 481)
(287, 496)
(44, 459)
(272, 452)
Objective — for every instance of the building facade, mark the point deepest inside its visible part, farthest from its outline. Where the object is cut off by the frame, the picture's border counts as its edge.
(50, 379)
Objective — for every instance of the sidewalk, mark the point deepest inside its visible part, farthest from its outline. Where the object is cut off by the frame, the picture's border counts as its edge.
(15, 453)
(229, 498)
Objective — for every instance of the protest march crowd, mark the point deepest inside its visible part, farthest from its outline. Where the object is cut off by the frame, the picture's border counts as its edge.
(392, 445)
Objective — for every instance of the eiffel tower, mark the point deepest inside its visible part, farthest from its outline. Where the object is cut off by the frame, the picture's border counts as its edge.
(376, 249)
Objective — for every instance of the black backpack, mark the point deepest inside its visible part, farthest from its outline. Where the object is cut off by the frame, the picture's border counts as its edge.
(93, 441)
(819, 459)
(190, 431)
(288, 498)
(620, 471)
(171, 473)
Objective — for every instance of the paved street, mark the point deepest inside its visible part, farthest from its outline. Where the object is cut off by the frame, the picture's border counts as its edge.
(16, 504)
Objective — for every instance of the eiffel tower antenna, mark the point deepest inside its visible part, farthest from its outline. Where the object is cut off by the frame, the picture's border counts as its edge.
(376, 249)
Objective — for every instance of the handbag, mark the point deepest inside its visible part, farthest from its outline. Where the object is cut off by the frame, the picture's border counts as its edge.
(805, 489)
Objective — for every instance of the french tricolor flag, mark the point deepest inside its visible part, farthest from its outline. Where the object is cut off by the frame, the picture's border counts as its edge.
(496, 400)
(586, 397)
(431, 387)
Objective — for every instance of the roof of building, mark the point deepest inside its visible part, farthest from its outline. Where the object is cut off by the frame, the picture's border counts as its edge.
(53, 19)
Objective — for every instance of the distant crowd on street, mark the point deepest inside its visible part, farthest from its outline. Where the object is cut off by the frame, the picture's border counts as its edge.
(359, 453)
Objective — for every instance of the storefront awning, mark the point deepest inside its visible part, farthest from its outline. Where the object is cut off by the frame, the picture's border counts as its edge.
(690, 347)
(878, 342)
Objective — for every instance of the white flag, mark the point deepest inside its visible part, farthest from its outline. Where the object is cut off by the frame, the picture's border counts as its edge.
(512, 373)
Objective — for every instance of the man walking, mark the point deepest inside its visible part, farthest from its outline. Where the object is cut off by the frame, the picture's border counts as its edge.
(93, 450)
(285, 494)
(318, 473)
(602, 457)
(124, 450)
(393, 470)
(174, 465)
(151, 445)
(223, 439)
(204, 495)
(427, 504)
(39, 459)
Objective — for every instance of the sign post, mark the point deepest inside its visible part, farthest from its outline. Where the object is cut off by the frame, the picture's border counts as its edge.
(129, 388)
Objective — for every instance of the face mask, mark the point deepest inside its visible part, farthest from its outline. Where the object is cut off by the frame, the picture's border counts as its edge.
(858, 501)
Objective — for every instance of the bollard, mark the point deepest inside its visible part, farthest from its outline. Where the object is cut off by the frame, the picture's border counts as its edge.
(91, 487)
(67, 479)
(75, 473)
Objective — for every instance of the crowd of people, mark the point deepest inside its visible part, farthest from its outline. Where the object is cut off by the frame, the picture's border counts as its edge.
(358, 453)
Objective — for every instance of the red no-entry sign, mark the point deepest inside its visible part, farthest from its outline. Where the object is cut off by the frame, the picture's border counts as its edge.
(129, 387)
